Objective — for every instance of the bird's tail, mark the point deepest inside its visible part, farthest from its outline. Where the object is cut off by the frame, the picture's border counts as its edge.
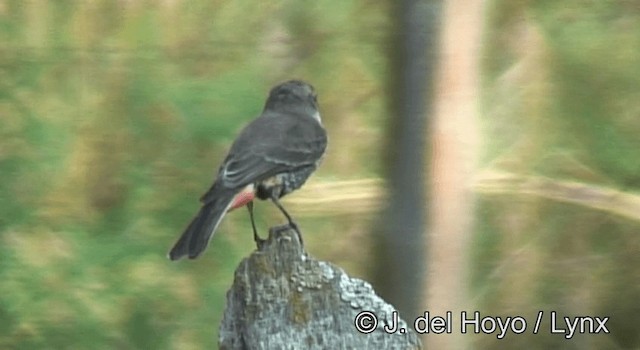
(196, 237)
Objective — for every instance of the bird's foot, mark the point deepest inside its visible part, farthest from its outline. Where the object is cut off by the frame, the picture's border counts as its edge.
(294, 227)
(260, 243)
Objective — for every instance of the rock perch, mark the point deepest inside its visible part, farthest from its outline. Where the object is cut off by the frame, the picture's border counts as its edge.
(282, 298)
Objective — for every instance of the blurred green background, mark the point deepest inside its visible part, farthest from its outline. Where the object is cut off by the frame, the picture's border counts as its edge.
(115, 114)
(113, 118)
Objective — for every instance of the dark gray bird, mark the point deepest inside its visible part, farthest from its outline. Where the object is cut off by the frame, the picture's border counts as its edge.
(271, 157)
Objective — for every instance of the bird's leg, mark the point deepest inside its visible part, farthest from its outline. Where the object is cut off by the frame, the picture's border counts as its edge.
(259, 241)
(292, 224)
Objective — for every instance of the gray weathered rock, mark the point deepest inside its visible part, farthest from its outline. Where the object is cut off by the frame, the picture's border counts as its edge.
(283, 299)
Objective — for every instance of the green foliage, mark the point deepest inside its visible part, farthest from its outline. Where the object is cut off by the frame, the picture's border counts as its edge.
(112, 117)
(561, 101)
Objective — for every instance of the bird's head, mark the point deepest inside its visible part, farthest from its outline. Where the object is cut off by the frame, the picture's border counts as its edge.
(293, 96)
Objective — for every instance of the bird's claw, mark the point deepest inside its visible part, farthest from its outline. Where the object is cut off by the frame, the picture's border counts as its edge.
(260, 242)
(294, 227)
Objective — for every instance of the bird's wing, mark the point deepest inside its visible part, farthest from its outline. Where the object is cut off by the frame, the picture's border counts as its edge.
(271, 145)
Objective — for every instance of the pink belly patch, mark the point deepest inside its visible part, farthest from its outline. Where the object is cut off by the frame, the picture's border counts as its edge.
(242, 198)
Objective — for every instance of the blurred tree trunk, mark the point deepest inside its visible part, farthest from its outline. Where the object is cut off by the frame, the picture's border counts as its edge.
(400, 252)
(455, 146)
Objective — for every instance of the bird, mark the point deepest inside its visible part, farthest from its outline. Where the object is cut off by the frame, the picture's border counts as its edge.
(271, 157)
